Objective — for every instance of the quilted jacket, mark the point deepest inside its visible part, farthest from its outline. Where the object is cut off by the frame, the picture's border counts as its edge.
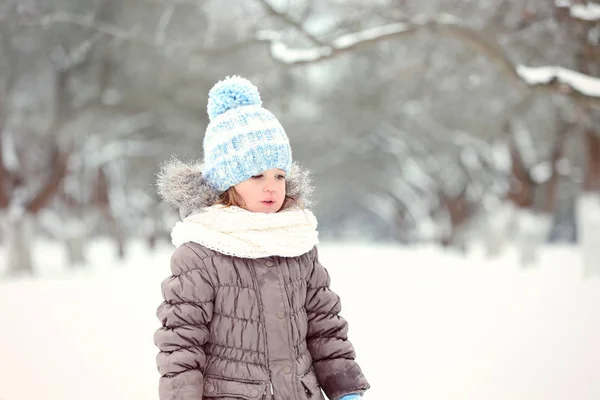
(248, 328)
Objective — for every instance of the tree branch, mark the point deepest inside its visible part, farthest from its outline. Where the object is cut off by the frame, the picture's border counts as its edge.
(132, 36)
(59, 171)
(163, 24)
(288, 20)
(89, 22)
(583, 89)
(64, 113)
(549, 199)
(521, 188)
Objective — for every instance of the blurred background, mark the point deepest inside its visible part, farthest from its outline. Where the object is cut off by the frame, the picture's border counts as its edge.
(439, 121)
(454, 142)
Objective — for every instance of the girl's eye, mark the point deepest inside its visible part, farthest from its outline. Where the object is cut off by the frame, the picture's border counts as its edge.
(257, 177)
(280, 176)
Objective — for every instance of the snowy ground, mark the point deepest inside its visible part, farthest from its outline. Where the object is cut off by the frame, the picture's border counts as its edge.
(426, 325)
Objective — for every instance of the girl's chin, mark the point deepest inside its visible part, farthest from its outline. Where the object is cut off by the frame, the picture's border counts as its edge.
(266, 208)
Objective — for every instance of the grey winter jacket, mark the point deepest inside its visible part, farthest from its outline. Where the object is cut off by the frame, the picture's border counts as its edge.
(238, 328)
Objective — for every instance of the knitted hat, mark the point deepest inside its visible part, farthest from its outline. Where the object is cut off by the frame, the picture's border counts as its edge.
(242, 139)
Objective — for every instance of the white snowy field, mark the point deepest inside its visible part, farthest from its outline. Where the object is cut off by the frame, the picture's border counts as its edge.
(426, 325)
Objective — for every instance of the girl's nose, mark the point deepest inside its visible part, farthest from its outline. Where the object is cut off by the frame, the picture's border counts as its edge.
(269, 186)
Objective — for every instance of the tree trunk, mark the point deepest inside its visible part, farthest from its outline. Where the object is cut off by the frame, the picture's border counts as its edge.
(591, 146)
(533, 230)
(151, 229)
(155, 233)
(151, 241)
(117, 234)
(497, 228)
(588, 206)
(18, 239)
(521, 183)
(75, 247)
(121, 244)
(588, 217)
(459, 212)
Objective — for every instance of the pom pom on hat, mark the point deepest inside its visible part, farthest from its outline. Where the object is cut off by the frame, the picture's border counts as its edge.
(230, 93)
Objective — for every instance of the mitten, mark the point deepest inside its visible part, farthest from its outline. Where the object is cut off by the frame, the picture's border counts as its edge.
(353, 396)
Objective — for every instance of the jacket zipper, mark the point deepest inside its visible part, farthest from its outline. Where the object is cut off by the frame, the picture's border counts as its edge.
(262, 318)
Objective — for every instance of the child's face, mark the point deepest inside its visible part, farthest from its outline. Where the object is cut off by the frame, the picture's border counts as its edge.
(264, 192)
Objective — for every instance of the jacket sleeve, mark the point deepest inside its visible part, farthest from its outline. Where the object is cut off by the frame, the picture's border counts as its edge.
(327, 337)
(184, 314)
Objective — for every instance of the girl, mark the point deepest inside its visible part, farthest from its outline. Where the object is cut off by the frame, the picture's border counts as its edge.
(247, 312)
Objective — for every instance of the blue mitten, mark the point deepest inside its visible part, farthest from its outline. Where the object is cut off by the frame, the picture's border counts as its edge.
(353, 396)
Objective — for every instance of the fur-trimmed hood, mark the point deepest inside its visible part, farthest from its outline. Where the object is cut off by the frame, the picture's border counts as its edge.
(182, 185)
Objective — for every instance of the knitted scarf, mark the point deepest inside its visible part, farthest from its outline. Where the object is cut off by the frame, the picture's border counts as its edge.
(236, 232)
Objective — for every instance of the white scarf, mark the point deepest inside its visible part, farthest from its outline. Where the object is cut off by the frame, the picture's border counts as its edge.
(241, 233)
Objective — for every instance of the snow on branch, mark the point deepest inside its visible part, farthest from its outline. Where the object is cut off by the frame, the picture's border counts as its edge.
(287, 55)
(582, 88)
(282, 53)
(585, 12)
(585, 84)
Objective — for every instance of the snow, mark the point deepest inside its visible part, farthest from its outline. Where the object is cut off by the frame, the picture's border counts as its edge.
(450, 19)
(501, 156)
(287, 55)
(352, 39)
(470, 159)
(403, 191)
(426, 324)
(585, 84)
(9, 152)
(563, 166)
(532, 228)
(282, 52)
(415, 175)
(525, 143)
(541, 172)
(587, 11)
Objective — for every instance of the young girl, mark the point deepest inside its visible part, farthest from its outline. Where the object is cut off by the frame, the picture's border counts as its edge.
(247, 312)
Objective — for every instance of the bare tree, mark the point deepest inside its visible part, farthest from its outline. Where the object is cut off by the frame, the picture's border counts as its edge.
(399, 105)
(32, 172)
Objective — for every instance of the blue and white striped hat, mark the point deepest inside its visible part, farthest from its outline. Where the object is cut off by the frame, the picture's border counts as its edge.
(242, 138)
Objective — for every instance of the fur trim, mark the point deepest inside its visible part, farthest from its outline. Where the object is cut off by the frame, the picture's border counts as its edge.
(182, 186)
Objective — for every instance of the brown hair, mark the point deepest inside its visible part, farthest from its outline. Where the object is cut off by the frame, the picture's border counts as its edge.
(231, 198)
